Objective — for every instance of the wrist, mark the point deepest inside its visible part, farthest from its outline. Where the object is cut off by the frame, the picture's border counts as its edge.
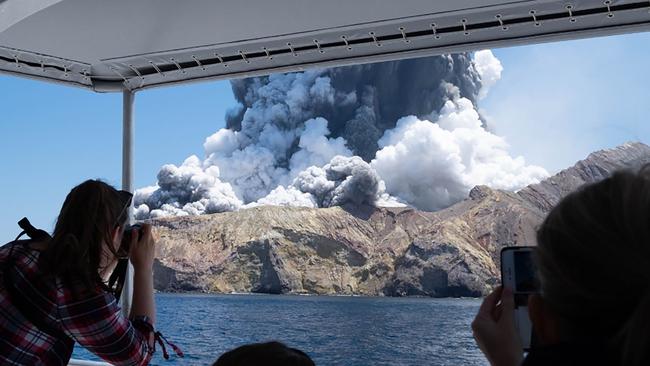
(512, 360)
(142, 267)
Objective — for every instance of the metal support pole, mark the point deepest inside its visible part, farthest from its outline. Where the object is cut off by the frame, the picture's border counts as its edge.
(127, 140)
(128, 130)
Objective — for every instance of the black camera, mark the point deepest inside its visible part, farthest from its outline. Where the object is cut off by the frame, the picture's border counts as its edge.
(117, 278)
(125, 246)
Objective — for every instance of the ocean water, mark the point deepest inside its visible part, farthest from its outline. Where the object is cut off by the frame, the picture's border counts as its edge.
(347, 331)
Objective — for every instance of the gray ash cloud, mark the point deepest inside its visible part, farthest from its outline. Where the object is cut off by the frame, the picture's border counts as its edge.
(370, 98)
(392, 133)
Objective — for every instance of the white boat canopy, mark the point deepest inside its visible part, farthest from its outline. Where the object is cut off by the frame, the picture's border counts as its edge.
(135, 44)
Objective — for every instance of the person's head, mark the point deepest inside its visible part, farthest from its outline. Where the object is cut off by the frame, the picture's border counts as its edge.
(264, 354)
(593, 258)
(87, 233)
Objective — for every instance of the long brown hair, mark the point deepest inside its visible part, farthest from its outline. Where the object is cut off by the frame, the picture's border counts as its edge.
(90, 213)
(594, 264)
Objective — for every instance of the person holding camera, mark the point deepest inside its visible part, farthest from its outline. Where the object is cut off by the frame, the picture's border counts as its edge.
(54, 290)
(593, 264)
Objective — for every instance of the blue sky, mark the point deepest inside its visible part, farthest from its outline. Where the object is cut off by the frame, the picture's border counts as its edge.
(554, 104)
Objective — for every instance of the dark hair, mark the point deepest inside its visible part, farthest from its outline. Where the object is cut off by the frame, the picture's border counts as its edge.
(594, 264)
(90, 213)
(264, 354)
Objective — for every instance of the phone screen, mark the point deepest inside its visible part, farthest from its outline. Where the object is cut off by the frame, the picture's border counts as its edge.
(519, 273)
(525, 274)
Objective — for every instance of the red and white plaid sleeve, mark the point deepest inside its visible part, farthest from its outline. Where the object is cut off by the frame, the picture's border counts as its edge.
(97, 324)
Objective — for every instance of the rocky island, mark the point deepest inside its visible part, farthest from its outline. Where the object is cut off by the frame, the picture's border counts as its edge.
(368, 250)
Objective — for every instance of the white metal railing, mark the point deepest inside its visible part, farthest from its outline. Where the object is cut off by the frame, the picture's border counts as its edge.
(87, 363)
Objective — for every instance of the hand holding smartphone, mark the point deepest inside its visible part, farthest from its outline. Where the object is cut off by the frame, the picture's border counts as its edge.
(518, 273)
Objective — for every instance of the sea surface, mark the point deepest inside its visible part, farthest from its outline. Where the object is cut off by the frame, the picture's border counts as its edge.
(336, 330)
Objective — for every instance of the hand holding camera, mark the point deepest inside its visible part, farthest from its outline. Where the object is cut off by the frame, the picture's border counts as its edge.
(502, 328)
(139, 243)
(494, 329)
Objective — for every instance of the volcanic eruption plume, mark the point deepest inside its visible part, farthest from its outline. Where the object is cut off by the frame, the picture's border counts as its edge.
(392, 133)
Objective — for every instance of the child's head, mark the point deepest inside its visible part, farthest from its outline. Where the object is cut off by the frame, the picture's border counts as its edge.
(264, 354)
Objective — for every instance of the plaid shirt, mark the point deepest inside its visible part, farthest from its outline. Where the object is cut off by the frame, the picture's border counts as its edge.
(94, 321)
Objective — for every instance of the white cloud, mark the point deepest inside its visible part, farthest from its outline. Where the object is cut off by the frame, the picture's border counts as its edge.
(489, 68)
(290, 196)
(433, 165)
(315, 148)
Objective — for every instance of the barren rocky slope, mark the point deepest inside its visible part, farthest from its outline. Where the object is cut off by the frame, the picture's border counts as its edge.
(367, 250)
(595, 167)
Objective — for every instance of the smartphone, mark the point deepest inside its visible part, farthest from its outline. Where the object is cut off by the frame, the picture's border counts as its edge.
(518, 272)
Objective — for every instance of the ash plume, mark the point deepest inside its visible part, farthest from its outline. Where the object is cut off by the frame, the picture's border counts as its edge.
(393, 133)
(359, 102)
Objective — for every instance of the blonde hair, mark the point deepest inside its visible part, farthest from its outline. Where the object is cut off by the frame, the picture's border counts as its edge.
(594, 264)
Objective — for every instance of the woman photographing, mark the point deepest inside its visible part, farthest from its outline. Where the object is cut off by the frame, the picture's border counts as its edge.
(54, 292)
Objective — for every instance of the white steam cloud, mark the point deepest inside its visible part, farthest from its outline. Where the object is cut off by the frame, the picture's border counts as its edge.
(489, 69)
(341, 181)
(281, 149)
(433, 165)
(263, 154)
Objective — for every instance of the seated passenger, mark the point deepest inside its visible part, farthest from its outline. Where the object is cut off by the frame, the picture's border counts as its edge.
(53, 290)
(593, 261)
(264, 354)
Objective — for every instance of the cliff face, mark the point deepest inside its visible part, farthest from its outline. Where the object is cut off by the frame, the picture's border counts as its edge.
(595, 167)
(285, 249)
(458, 254)
(367, 250)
